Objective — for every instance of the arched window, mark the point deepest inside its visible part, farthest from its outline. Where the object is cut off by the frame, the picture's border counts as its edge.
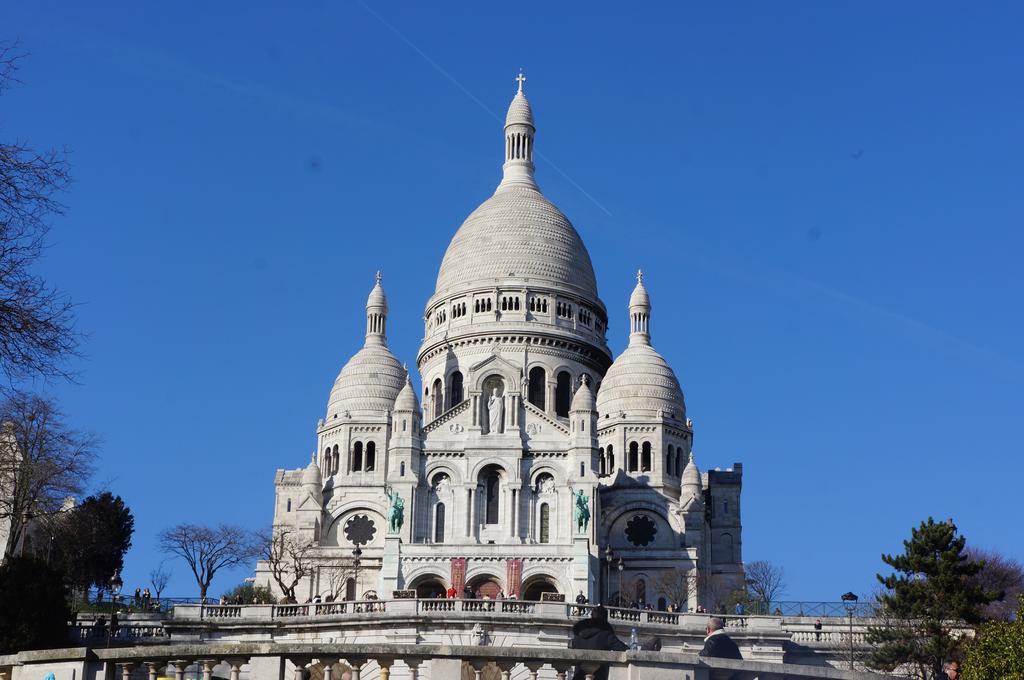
(545, 523)
(662, 605)
(289, 508)
(350, 589)
(336, 461)
(679, 461)
(726, 551)
(603, 464)
(371, 456)
(641, 591)
(669, 460)
(438, 398)
(634, 457)
(401, 469)
(563, 393)
(491, 497)
(583, 469)
(455, 391)
(537, 387)
(611, 459)
(357, 457)
(645, 457)
(327, 461)
(439, 523)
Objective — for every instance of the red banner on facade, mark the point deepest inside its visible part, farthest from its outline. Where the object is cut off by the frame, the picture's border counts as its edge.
(514, 577)
(459, 575)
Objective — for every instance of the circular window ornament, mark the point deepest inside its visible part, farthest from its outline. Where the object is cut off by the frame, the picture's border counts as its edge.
(640, 530)
(359, 529)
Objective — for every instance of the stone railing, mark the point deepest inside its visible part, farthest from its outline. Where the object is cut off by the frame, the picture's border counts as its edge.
(282, 661)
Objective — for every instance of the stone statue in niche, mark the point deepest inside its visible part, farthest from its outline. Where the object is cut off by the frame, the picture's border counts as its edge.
(495, 411)
(581, 510)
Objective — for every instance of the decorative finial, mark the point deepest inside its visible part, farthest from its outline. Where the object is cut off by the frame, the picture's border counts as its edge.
(520, 79)
(378, 276)
(639, 275)
(585, 379)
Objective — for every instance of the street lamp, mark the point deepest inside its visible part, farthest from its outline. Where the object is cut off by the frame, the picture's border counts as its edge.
(356, 554)
(850, 602)
(620, 567)
(608, 557)
(115, 589)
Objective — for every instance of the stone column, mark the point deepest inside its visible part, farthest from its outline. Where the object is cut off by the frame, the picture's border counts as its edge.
(179, 669)
(154, 670)
(356, 665)
(236, 669)
(208, 665)
(385, 668)
(126, 671)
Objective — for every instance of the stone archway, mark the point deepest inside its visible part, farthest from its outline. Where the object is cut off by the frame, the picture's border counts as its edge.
(535, 586)
(485, 585)
(429, 586)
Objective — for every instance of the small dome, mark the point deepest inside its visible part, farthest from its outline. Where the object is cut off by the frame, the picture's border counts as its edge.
(377, 297)
(370, 381)
(583, 400)
(691, 475)
(640, 381)
(406, 400)
(519, 111)
(311, 475)
(640, 298)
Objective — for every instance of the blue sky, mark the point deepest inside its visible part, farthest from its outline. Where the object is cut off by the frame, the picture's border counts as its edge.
(825, 197)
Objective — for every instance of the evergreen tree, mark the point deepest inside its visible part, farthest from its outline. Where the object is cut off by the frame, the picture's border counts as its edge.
(930, 595)
(92, 540)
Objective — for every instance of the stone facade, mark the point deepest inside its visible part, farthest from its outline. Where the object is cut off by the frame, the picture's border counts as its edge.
(530, 462)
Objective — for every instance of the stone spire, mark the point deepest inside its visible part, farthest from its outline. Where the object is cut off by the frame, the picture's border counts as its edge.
(376, 315)
(519, 132)
(639, 313)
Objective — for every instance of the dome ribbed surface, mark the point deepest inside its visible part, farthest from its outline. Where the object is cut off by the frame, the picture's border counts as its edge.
(640, 381)
(691, 475)
(517, 233)
(370, 381)
(519, 111)
(640, 298)
(311, 475)
(377, 297)
(583, 400)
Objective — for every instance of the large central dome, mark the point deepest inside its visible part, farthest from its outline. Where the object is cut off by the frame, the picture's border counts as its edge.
(519, 234)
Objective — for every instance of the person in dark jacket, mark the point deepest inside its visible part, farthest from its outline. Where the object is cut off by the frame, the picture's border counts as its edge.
(597, 634)
(717, 643)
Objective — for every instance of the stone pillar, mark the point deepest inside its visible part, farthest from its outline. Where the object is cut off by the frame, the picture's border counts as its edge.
(208, 665)
(126, 671)
(179, 669)
(154, 670)
(356, 664)
(389, 565)
(236, 669)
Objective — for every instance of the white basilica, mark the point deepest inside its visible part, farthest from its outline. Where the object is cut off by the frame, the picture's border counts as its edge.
(536, 463)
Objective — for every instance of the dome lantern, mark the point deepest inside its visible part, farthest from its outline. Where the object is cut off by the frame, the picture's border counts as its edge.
(519, 133)
(639, 313)
(376, 315)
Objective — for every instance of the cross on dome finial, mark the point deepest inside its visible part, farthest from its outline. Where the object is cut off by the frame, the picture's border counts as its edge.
(378, 276)
(639, 275)
(520, 79)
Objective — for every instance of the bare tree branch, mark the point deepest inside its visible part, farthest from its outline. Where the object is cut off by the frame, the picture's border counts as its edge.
(36, 320)
(765, 581)
(289, 557)
(42, 461)
(207, 550)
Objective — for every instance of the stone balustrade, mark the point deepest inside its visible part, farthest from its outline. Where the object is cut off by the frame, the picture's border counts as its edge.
(296, 660)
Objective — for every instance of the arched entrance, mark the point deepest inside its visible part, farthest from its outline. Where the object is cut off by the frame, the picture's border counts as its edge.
(537, 586)
(429, 586)
(485, 585)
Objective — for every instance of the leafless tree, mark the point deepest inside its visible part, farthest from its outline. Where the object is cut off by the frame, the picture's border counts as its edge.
(289, 557)
(335, 580)
(159, 577)
(42, 461)
(207, 550)
(1001, 574)
(676, 584)
(36, 320)
(765, 581)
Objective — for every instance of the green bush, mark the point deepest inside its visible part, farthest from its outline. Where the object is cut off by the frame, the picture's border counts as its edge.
(247, 593)
(997, 652)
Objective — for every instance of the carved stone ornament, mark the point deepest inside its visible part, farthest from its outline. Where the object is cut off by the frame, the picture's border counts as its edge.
(359, 529)
(640, 530)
